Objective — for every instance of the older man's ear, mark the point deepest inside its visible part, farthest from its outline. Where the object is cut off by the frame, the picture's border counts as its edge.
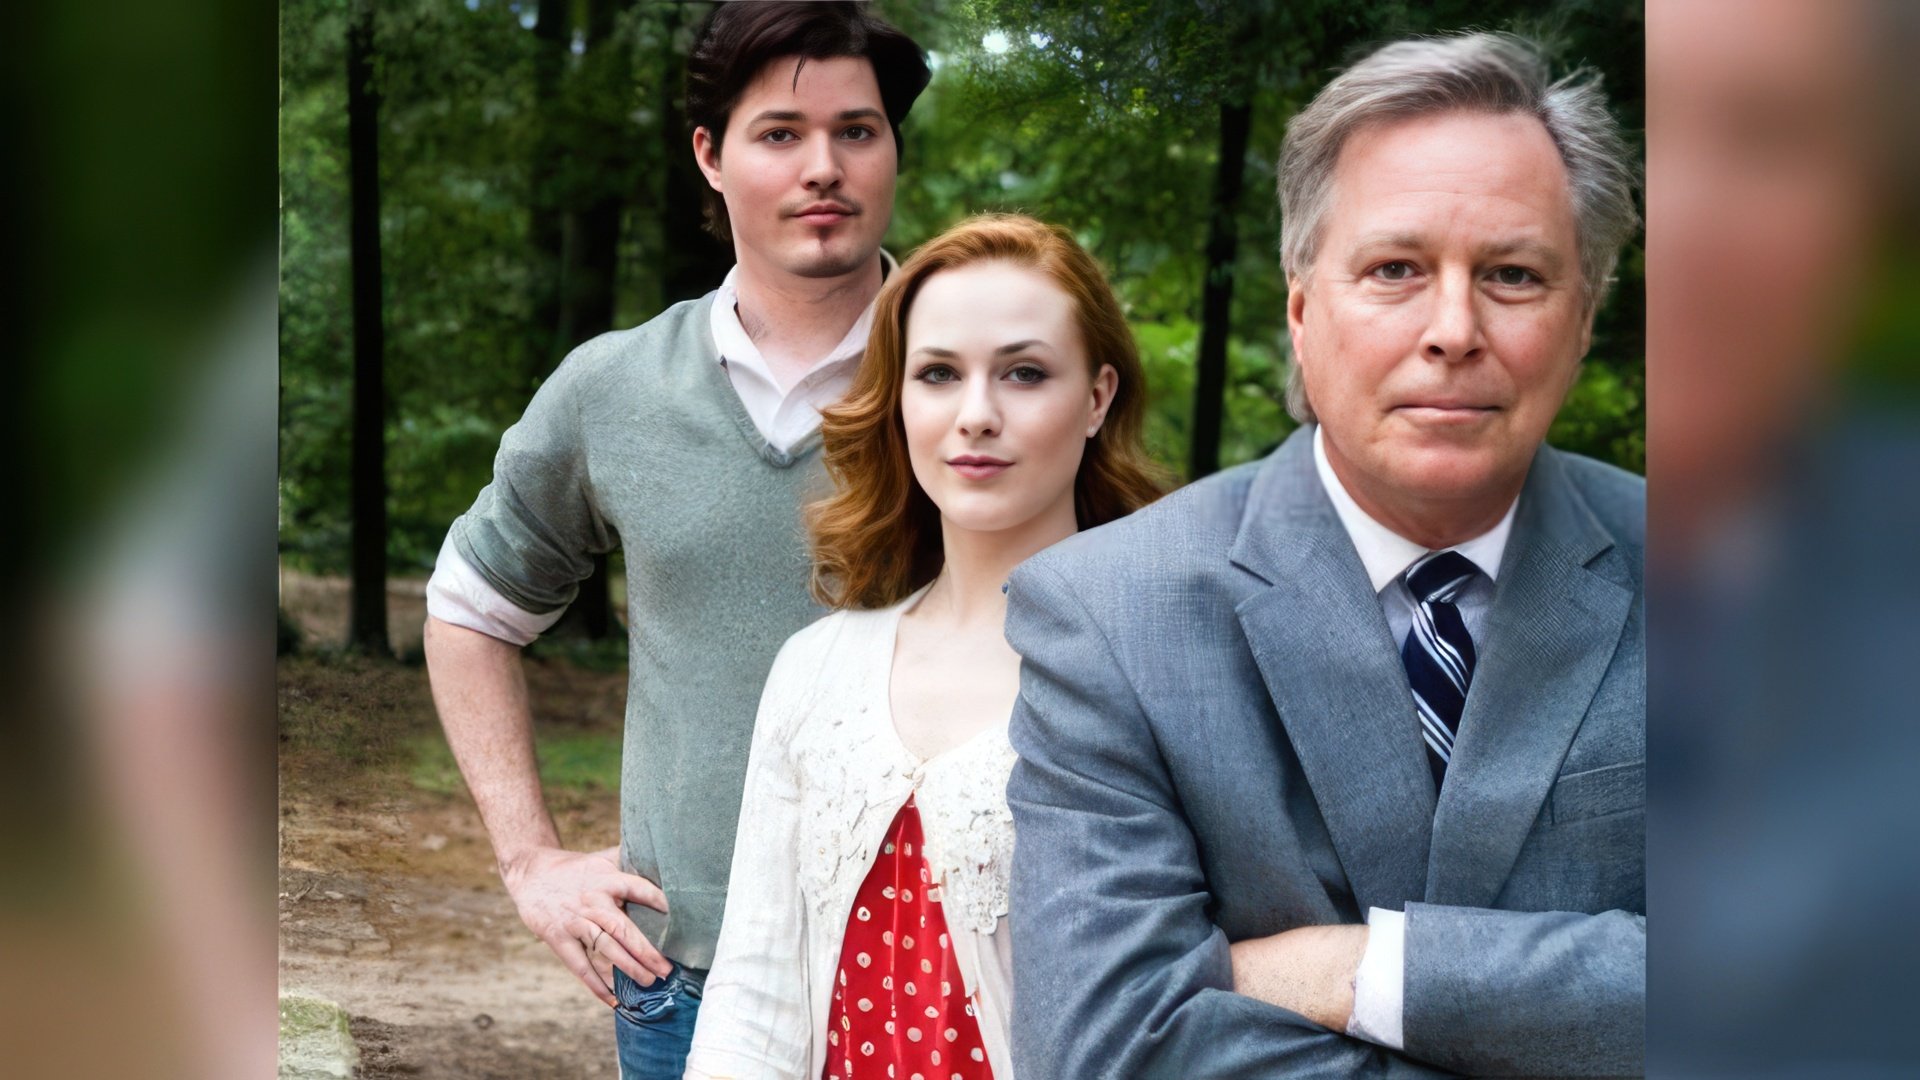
(1296, 311)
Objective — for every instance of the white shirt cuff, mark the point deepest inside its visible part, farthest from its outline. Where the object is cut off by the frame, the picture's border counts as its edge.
(458, 594)
(1379, 987)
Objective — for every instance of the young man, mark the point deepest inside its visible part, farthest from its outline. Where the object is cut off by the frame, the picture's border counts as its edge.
(690, 442)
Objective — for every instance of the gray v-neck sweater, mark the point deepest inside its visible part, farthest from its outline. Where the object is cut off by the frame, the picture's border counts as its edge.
(638, 440)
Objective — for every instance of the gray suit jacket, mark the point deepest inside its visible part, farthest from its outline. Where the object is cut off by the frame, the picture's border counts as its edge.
(1217, 743)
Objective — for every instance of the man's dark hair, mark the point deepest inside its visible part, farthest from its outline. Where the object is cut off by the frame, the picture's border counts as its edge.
(739, 39)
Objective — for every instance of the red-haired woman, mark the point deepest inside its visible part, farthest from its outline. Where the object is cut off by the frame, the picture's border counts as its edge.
(998, 410)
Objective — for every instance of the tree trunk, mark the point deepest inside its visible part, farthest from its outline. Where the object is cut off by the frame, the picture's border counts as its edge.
(1216, 303)
(591, 248)
(367, 618)
(544, 224)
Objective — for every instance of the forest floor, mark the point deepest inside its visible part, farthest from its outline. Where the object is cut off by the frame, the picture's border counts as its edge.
(389, 901)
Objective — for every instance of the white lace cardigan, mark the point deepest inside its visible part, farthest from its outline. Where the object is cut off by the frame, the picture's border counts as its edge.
(825, 778)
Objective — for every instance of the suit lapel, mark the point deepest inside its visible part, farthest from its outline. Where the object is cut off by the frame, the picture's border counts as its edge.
(1556, 620)
(1321, 642)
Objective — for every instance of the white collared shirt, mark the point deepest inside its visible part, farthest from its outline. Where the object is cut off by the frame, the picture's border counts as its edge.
(784, 415)
(1386, 554)
(1379, 987)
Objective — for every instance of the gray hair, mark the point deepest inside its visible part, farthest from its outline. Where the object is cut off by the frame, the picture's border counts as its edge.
(1482, 72)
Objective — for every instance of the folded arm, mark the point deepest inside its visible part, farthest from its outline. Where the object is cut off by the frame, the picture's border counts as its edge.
(1119, 971)
(1310, 970)
(1526, 993)
(1485, 992)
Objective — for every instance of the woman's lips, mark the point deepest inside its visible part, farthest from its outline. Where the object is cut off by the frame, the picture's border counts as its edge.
(979, 468)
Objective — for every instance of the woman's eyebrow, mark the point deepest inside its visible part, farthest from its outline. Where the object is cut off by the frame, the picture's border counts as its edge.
(1019, 346)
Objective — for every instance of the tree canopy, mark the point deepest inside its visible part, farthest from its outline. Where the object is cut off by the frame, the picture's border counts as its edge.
(501, 133)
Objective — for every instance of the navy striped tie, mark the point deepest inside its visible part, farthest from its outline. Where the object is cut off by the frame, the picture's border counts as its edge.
(1438, 652)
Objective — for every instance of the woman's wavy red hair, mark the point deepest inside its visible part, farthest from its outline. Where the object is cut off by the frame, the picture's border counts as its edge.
(876, 538)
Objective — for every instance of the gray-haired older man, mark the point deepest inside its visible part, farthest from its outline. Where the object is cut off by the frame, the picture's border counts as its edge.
(1333, 764)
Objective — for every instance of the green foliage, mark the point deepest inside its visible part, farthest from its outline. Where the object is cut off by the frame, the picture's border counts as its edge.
(1885, 369)
(586, 761)
(287, 637)
(1101, 117)
(591, 654)
(1256, 409)
(462, 135)
(1590, 422)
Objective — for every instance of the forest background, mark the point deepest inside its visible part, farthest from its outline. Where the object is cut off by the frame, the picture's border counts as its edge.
(470, 188)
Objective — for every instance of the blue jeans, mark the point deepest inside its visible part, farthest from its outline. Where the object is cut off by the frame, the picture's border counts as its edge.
(653, 1025)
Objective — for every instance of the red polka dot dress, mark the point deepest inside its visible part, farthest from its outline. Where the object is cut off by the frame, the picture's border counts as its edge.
(900, 1010)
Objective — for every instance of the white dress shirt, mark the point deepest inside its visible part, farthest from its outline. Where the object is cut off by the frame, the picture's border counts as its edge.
(1379, 987)
(784, 415)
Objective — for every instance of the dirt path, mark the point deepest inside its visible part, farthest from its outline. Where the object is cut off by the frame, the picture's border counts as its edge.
(318, 605)
(426, 955)
(389, 904)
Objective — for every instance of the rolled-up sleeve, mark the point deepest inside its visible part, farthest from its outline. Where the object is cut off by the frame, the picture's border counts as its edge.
(461, 595)
(532, 532)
